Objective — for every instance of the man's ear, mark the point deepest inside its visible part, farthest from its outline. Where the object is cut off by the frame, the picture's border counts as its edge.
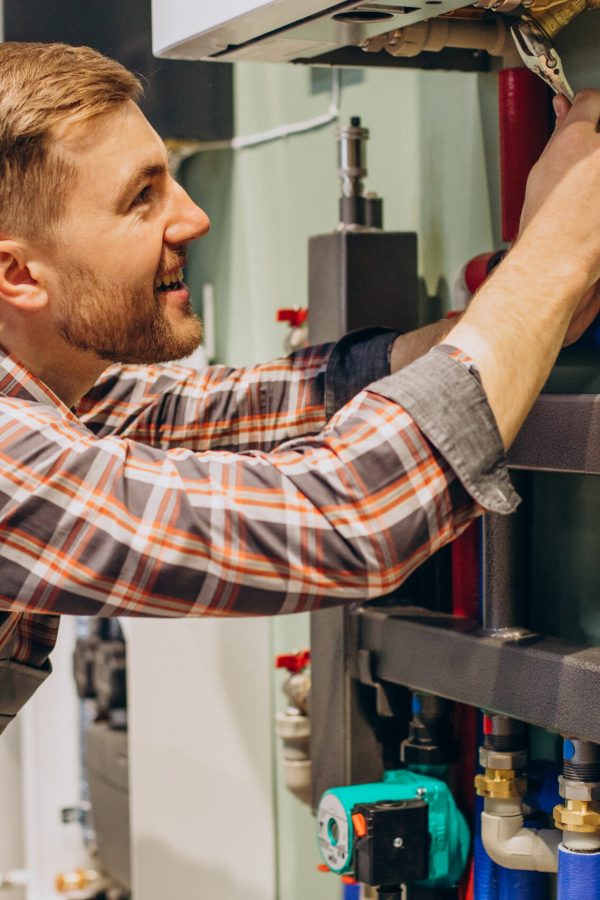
(19, 281)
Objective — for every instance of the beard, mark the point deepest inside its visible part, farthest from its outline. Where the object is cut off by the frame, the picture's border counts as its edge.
(121, 322)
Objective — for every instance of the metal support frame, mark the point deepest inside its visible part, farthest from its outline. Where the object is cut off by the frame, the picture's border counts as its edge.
(561, 434)
(540, 680)
(365, 657)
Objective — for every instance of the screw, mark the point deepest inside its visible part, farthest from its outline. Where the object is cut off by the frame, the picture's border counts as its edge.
(421, 792)
(398, 843)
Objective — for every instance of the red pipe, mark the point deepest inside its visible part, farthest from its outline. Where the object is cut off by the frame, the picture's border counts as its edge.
(465, 601)
(525, 126)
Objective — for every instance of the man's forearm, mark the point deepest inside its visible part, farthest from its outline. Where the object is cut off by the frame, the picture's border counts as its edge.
(513, 331)
(547, 289)
(408, 347)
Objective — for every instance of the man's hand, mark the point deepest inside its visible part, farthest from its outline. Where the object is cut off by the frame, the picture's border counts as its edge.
(589, 308)
(586, 312)
(544, 292)
(561, 201)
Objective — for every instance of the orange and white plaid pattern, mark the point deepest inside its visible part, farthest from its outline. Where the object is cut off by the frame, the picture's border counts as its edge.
(173, 493)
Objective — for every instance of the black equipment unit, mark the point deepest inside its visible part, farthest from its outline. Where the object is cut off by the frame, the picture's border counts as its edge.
(395, 847)
(362, 278)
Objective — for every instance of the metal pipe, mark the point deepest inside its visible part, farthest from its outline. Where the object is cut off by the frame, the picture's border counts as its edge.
(502, 572)
(352, 168)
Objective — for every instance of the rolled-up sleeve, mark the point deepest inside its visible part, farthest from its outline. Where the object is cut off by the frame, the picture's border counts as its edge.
(443, 393)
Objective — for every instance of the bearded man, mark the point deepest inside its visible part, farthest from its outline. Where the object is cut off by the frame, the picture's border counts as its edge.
(328, 476)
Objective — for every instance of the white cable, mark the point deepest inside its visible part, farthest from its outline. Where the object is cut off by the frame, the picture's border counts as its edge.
(283, 131)
(186, 149)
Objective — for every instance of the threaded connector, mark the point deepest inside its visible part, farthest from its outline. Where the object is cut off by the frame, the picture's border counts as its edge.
(581, 760)
(500, 784)
(577, 815)
(503, 734)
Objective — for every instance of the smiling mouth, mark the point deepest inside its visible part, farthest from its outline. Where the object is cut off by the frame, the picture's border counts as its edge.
(171, 282)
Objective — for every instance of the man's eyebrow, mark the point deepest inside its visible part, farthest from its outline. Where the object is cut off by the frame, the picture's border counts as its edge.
(138, 179)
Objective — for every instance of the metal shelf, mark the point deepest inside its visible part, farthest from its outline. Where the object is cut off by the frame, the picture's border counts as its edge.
(540, 680)
(561, 434)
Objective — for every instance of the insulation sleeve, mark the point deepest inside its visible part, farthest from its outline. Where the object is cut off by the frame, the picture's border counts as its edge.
(524, 885)
(486, 870)
(465, 602)
(578, 875)
(525, 126)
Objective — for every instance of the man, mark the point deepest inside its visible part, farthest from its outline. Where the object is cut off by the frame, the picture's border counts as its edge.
(134, 490)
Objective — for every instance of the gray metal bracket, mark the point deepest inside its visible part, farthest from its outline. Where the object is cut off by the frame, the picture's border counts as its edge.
(540, 680)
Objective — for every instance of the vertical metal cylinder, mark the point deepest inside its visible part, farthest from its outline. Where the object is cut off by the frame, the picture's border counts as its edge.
(503, 734)
(581, 760)
(352, 168)
(502, 572)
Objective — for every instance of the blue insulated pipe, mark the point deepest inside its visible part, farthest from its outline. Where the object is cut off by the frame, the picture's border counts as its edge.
(351, 891)
(522, 885)
(485, 869)
(578, 875)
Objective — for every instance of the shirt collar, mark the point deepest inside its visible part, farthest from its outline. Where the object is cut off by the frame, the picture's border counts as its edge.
(17, 381)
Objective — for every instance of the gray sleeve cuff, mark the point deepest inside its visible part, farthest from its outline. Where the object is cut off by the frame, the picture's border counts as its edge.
(448, 403)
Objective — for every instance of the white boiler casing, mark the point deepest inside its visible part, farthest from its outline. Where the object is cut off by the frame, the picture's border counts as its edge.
(278, 30)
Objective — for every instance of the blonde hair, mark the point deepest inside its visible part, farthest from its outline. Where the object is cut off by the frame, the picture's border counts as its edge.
(44, 88)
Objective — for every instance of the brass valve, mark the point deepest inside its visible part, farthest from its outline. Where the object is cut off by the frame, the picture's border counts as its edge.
(577, 815)
(76, 880)
(500, 784)
(554, 15)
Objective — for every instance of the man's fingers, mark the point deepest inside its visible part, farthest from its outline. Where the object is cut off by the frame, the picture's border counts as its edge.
(585, 108)
(561, 109)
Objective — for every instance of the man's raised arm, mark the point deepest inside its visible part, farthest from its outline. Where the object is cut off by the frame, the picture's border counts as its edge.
(543, 292)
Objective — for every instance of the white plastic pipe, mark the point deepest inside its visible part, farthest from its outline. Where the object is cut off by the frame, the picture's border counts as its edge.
(582, 842)
(513, 846)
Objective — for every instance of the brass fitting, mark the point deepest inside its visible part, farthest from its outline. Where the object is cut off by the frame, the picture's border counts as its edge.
(553, 16)
(77, 880)
(577, 815)
(500, 784)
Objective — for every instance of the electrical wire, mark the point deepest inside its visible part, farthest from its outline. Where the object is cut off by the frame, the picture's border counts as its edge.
(180, 150)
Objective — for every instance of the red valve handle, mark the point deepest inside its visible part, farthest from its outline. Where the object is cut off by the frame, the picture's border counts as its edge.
(296, 316)
(293, 662)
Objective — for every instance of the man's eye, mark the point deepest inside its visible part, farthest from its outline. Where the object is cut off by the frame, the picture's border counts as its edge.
(144, 196)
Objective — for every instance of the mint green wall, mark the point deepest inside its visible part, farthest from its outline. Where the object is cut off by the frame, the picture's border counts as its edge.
(266, 201)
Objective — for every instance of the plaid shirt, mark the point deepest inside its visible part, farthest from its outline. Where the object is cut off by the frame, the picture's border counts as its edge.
(231, 492)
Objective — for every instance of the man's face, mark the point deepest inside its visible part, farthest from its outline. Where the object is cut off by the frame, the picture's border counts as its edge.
(116, 286)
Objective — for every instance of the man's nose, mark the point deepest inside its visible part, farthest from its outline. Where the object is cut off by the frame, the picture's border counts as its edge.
(187, 221)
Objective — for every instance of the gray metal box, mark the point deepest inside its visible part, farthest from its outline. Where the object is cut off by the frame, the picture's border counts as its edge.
(360, 279)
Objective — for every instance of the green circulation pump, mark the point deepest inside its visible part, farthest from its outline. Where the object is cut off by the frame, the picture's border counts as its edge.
(448, 831)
